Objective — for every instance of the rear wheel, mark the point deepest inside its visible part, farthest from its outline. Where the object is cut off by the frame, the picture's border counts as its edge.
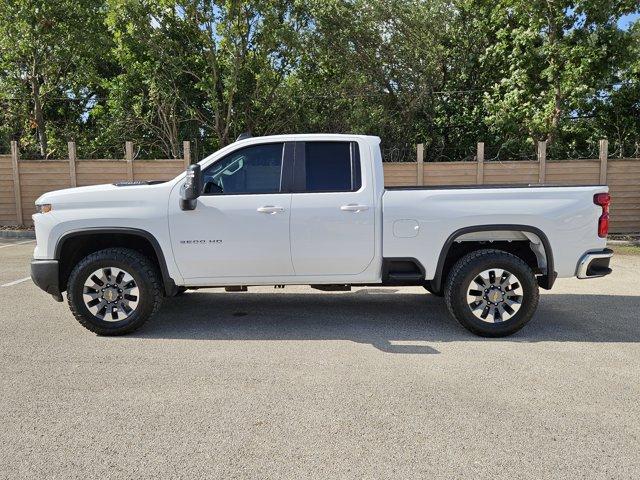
(491, 293)
(114, 291)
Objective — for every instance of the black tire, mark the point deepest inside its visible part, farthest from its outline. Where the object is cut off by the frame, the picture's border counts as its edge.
(427, 286)
(467, 269)
(144, 273)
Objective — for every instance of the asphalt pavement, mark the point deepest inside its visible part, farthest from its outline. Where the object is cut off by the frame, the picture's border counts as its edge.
(295, 383)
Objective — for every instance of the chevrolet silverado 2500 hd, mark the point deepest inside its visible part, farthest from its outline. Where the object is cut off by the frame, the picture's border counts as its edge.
(313, 209)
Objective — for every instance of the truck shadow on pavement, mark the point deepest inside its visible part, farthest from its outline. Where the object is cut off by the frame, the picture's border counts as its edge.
(381, 319)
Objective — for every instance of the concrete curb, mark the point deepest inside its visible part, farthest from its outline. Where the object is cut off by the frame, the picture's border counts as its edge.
(17, 234)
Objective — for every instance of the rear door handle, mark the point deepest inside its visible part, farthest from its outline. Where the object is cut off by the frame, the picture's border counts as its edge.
(352, 207)
(272, 209)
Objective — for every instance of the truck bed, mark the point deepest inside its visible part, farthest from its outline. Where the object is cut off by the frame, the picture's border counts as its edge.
(418, 221)
(486, 187)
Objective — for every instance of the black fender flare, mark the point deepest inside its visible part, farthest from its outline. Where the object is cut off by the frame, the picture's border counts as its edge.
(545, 281)
(169, 284)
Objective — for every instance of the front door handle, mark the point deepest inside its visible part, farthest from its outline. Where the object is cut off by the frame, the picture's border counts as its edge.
(271, 209)
(352, 207)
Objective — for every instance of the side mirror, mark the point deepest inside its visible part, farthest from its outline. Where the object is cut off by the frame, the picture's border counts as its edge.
(191, 188)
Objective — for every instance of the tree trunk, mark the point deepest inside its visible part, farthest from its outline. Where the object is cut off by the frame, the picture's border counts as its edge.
(555, 33)
(39, 116)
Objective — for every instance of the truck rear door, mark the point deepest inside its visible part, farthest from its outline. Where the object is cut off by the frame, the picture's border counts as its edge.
(332, 213)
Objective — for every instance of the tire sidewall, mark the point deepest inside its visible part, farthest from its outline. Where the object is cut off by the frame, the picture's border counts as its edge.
(469, 272)
(82, 272)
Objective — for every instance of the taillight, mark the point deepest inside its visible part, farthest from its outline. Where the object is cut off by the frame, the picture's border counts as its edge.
(603, 200)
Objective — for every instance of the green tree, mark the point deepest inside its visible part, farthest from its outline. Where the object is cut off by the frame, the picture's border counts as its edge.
(247, 50)
(552, 59)
(152, 95)
(444, 73)
(48, 64)
(617, 111)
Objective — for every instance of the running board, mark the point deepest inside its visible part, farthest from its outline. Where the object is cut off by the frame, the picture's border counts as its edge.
(332, 288)
(236, 288)
(402, 271)
(406, 277)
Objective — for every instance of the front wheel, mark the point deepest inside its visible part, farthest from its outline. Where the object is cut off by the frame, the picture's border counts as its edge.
(491, 293)
(114, 291)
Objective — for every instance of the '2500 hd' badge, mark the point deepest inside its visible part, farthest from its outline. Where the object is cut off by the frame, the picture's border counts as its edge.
(200, 242)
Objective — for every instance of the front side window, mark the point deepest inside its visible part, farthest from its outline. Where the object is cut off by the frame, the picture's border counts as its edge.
(331, 167)
(254, 169)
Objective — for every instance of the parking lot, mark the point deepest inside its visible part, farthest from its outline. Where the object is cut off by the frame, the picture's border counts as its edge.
(294, 383)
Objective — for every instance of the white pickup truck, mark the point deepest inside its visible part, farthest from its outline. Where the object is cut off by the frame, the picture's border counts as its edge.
(313, 209)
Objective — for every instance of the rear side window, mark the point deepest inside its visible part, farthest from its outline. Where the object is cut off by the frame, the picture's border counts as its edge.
(331, 167)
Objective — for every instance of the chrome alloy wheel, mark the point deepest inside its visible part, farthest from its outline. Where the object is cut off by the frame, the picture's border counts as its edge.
(111, 294)
(495, 295)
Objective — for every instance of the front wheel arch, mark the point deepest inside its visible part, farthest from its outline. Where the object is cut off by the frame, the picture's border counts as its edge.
(77, 244)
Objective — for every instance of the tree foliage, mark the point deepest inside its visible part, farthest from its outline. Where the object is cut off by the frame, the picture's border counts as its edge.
(443, 73)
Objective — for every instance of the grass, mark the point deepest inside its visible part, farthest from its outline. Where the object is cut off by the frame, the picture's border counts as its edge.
(626, 249)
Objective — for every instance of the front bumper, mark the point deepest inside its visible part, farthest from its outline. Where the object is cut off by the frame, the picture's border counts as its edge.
(45, 274)
(594, 264)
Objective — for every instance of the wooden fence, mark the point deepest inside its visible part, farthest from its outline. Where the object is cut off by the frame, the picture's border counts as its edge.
(22, 181)
(622, 176)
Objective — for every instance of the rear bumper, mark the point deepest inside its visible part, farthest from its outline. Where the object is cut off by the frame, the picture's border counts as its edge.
(594, 264)
(44, 274)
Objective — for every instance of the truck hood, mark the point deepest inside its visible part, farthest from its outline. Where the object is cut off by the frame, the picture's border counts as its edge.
(99, 194)
(67, 195)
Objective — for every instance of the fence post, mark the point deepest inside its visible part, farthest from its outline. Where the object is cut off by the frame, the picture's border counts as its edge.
(128, 149)
(186, 150)
(480, 166)
(15, 156)
(420, 164)
(542, 161)
(72, 163)
(604, 154)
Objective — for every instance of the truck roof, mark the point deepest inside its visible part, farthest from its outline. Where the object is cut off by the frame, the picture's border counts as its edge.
(310, 136)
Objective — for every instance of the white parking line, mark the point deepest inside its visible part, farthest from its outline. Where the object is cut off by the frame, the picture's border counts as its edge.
(17, 243)
(15, 282)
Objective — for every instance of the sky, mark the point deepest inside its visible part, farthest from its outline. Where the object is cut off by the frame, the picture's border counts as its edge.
(626, 21)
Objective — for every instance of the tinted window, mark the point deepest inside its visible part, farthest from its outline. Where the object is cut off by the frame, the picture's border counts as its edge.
(329, 167)
(254, 169)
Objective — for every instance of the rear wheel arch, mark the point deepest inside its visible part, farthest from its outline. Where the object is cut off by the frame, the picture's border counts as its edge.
(448, 255)
(77, 244)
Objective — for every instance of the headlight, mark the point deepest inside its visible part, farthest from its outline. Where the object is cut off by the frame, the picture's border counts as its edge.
(43, 208)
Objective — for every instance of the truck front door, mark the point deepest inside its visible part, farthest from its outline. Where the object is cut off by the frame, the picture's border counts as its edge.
(240, 226)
